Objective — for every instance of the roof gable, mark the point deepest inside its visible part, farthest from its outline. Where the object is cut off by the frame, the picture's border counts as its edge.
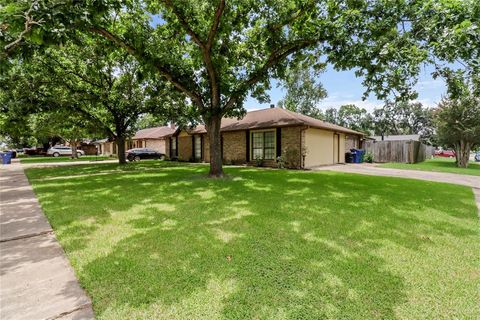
(272, 118)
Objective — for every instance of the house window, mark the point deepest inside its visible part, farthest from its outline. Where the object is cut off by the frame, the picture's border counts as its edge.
(263, 145)
(198, 147)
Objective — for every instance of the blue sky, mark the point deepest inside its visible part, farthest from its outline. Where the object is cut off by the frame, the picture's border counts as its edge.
(345, 88)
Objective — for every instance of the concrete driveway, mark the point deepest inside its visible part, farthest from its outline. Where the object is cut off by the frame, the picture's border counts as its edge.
(373, 170)
(36, 279)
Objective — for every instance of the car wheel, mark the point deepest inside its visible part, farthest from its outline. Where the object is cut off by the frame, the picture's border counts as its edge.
(79, 154)
(137, 158)
(56, 154)
(162, 157)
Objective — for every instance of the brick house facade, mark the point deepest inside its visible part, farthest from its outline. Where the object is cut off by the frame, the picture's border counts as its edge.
(267, 134)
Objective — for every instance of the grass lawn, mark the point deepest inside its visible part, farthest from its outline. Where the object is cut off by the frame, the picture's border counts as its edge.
(160, 241)
(437, 164)
(40, 159)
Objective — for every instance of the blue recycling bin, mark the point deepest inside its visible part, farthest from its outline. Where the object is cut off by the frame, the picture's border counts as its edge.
(7, 157)
(358, 155)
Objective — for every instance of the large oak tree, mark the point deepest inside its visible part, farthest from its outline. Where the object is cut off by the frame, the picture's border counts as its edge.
(217, 52)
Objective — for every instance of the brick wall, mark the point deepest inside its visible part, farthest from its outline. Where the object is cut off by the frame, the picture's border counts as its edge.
(234, 147)
(155, 144)
(291, 146)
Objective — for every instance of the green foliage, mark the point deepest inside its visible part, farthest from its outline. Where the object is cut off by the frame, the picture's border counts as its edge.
(304, 92)
(368, 157)
(396, 118)
(458, 123)
(350, 116)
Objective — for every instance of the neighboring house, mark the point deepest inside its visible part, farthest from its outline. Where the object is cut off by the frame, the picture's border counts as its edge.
(304, 142)
(105, 147)
(400, 137)
(152, 138)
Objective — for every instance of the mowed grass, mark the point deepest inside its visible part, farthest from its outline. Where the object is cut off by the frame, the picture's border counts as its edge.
(158, 240)
(438, 164)
(41, 159)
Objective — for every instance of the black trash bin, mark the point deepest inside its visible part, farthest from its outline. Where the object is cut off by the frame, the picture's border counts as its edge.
(348, 157)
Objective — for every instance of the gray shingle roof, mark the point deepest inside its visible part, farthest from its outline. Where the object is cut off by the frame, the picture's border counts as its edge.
(154, 133)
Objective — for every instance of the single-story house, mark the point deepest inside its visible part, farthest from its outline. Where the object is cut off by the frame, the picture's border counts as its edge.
(152, 138)
(266, 134)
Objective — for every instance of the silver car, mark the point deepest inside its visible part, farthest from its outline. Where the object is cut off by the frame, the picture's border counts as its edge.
(58, 151)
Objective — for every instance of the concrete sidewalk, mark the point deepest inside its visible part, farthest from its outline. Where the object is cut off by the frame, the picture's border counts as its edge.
(371, 169)
(36, 279)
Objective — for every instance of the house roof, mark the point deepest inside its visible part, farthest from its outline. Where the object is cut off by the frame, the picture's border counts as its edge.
(154, 133)
(273, 117)
(100, 141)
(400, 137)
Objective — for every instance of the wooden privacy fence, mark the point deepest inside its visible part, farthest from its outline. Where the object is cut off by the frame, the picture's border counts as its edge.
(407, 151)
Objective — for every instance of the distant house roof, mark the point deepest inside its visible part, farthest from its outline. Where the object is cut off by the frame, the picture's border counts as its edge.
(154, 133)
(400, 137)
(273, 117)
(100, 141)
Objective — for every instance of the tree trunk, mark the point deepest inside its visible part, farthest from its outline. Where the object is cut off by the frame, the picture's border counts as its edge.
(213, 130)
(121, 149)
(463, 154)
(73, 145)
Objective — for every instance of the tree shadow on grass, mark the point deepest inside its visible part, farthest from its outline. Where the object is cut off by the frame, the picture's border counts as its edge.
(261, 244)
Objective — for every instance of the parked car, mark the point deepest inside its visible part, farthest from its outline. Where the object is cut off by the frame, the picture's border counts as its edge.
(138, 154)
(58, 151)
(477, 157)
(445, 153)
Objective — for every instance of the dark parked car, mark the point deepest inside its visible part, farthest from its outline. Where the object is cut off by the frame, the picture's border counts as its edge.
(143, 153)
(477, 157)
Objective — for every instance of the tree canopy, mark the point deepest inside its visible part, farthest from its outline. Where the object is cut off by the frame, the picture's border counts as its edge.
(216, 53)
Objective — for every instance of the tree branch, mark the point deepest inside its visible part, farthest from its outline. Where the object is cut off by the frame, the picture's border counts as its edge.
(29, 23)
(196, 98)
(275, 57)
(215, 24)
(195, 37)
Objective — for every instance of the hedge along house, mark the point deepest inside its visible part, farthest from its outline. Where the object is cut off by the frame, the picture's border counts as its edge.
(302, 141)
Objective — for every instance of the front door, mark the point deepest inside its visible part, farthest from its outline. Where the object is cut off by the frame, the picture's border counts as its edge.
(336, 147)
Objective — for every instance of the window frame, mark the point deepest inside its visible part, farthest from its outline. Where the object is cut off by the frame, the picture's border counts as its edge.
(274, 148)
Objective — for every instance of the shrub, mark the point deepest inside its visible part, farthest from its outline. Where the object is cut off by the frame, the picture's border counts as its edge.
(258, 161)
(368, 157)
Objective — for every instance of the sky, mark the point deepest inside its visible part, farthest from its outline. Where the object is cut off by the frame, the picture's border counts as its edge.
(343, 87)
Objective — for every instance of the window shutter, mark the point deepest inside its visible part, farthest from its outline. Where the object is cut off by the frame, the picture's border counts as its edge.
(279, 142)
(193, 147)
(201, 147)
(247, 144)
(176, 146)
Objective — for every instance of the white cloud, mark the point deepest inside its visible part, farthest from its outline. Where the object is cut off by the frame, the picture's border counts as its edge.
(337, 102)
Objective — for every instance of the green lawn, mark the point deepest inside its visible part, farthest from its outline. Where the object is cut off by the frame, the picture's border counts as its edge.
(437, 164)
(40, 159)
(158, 240)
